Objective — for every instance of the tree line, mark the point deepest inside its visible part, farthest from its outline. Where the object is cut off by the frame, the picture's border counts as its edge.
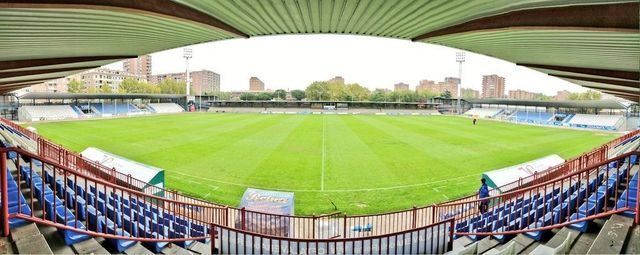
(132, 86)
(316, 91)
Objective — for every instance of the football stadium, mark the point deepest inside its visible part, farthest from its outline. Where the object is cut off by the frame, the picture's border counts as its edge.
(171, 171)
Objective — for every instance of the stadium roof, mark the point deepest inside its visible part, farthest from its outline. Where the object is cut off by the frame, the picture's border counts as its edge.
(599, 104)
(593, 43)
(49, 95)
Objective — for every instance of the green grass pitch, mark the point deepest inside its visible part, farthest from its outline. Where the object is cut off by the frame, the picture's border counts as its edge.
(363, 163)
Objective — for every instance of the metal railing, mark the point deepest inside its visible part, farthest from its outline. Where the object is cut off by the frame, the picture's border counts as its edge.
(434, 238)
(592, 192)
(333, 225)
(83, 204)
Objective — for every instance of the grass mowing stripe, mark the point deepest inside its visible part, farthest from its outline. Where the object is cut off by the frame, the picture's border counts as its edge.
(371, 163)
(324, 125)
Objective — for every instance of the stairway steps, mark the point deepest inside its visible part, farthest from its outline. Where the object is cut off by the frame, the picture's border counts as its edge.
(612, 236)
(633, 241)
(559, 237)
(521, 243)
(89, 246)
(487, 244)
(175, 250)
(138, 249)
(33, 245)
(461, 242)
(200, 248)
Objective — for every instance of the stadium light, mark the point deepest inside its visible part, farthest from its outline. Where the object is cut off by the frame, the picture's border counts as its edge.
(188, 53)
(460, 59)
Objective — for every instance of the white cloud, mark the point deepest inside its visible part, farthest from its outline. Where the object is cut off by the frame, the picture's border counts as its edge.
(294, 61)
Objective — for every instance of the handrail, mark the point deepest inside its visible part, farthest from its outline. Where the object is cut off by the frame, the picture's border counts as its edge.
(562, 201)
(581, 171)
(400, 220)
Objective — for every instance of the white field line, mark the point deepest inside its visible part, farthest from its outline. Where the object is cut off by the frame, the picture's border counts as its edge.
(324, 124)
(334, 190)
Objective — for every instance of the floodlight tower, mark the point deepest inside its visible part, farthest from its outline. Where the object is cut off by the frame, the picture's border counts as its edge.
(460, 60)
(188, 53)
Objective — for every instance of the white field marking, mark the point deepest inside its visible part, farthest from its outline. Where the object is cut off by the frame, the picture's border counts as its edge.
(324, 124)
(335, 190)
(437, 189)
(205, 196)
(213, 187)
(445, 196)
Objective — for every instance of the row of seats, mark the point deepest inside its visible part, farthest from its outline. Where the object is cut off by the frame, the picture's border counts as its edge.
(610, 122)
(483, 112)
(17, 202)
(13, 131)
(115, 215)
(46, 112)
(531, 117)
(114, 109)
(553, 207)
(165, 108)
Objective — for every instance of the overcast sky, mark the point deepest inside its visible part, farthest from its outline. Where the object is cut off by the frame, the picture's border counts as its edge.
(294, 61)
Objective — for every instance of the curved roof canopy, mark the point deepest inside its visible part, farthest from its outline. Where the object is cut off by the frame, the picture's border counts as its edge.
(593, 43)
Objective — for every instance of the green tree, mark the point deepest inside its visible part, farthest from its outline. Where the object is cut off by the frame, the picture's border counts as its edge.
(171, 86)
(298, 94)
(220, 95)
(446, 94)
(264, 96)
(92, 89)
(378, 95)
(587, 95)
(105, 88)
(247, 96)
(76, 86)
(318, 90)
(280, 94)
(355, 92)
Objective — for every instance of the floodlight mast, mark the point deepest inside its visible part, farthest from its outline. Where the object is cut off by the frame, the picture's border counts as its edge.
(188, 53)
(460, 59)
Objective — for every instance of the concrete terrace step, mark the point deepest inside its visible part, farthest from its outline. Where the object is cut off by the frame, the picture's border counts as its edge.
(612, 236)
(200, 248)
(89, 246)
(521, 242)
(138, 249)
(174, 249)
(633, 241)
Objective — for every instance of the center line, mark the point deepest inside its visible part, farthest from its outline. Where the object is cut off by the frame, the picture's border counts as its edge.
(324, 121)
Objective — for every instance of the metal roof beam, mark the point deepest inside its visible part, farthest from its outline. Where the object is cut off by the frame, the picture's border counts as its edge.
(631, 84)
(627, 75)
(11, 74)
(164, 8)
(34, 81)
(617, 17)
(26, 63)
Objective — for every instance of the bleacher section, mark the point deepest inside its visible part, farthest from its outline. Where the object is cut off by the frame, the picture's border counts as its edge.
(46, 112)
(114, 109)
(165, 108)
(606, 122)
(484, 112)
(531, 117)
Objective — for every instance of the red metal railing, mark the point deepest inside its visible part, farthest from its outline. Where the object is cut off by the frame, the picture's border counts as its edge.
(68, 199)
(305, 227)
(434, 238)
(73, 201)
(582, 195)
